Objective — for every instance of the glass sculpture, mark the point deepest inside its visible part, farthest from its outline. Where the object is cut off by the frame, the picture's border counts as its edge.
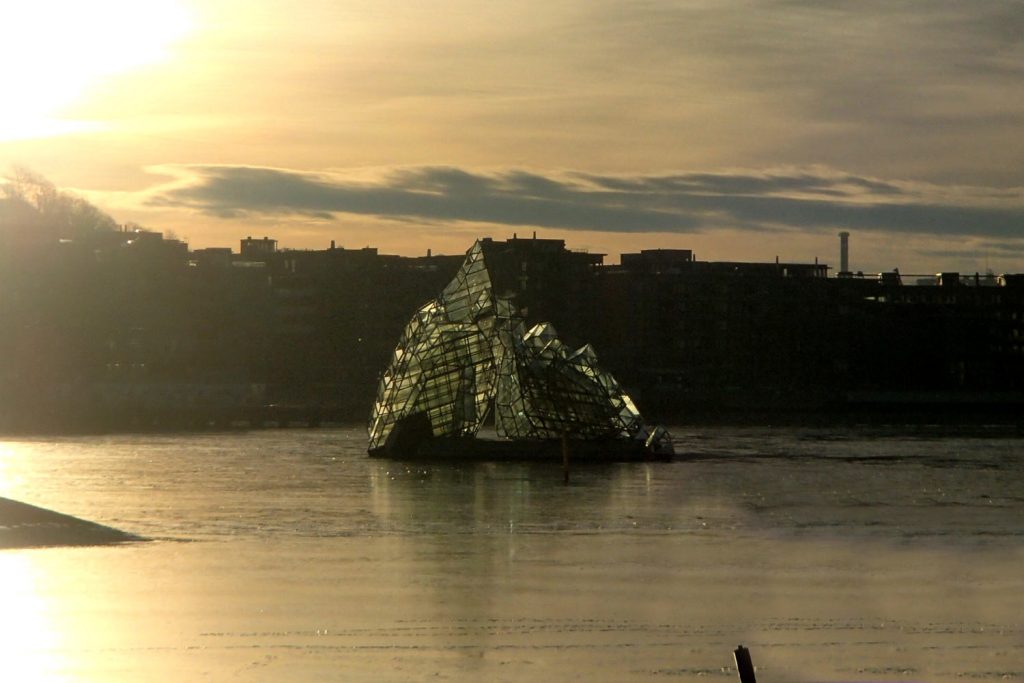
(467, 353)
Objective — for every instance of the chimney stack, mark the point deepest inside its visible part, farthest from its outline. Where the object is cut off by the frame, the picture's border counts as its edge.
(844, 253)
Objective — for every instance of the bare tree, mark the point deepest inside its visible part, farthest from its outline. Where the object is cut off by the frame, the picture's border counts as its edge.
(60, 213)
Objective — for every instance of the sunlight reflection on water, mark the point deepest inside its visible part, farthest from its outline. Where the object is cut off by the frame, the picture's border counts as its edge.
(29, 639)
(288, 555)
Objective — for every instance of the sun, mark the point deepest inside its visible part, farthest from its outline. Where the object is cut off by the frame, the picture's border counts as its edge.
(51, 51)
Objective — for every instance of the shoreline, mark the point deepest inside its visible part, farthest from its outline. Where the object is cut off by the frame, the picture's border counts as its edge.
(28, 526)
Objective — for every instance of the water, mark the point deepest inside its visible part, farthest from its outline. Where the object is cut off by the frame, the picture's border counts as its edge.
(288, 555)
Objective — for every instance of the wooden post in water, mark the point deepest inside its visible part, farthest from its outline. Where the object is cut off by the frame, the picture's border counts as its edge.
(565, 458)
(744, 665)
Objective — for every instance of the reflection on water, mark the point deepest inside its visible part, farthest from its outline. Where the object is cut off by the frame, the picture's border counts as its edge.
(29, 645)
(511, 497)
(288, 555)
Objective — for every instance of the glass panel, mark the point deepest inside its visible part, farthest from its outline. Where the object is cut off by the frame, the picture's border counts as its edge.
(468, 348)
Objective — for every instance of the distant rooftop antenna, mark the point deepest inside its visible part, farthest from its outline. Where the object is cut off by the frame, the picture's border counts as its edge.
(844, 253)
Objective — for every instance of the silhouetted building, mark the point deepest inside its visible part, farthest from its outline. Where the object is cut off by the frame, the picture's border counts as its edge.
(710, 338)
(125, 328)
(212, 257)
(657, 260)
(257, 249)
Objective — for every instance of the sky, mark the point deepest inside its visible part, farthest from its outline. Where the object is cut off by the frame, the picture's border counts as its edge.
(744, 130)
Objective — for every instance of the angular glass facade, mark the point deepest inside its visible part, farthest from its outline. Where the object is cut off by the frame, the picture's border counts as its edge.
(545, 391)
(467, 353)
(444, 364)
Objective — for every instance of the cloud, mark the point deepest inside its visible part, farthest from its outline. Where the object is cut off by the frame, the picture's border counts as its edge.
(812, 199)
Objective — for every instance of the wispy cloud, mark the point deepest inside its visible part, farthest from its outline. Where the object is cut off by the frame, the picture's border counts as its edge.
(787, 199)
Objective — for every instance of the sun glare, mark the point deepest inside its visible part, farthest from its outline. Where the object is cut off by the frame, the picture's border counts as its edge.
(51, 51)
(29, 643)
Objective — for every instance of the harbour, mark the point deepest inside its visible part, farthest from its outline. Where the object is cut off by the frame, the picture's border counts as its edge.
(833, 553)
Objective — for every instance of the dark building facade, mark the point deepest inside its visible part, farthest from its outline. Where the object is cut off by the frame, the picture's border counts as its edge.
(702, 338)
(130, 330)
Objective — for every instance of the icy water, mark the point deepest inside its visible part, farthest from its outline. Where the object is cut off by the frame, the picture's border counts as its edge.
(289, 556)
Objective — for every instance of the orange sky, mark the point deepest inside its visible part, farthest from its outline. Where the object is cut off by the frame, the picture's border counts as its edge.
(740, 129)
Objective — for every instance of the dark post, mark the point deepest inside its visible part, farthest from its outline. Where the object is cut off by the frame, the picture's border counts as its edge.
(565, 457)
(744, 666)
